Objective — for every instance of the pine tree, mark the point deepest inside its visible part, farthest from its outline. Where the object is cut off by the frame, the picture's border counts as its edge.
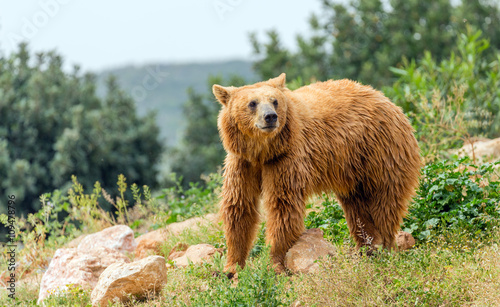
(52, 126)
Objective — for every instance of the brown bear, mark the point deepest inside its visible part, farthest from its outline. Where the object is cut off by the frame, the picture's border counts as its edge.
(283, 146)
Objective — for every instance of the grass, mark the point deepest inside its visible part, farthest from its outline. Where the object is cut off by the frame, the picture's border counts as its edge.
(443, 272)
(424, 276)
(453, 267)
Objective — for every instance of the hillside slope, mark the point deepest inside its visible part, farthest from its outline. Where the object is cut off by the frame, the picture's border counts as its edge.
(162, 87)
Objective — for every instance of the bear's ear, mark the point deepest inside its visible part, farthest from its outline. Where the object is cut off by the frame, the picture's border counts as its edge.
(279, 81)
(222, 93)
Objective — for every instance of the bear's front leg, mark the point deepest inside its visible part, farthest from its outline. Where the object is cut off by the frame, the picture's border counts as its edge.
(239, 209)
(285, 208)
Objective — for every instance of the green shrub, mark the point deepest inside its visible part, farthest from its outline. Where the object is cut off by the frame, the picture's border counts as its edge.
(455, 196)
(258, 285)
(182, 203)
(450, 100)
(330, 218)
(53, 124)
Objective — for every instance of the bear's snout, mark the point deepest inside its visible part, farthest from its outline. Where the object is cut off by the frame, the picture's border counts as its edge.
(271, 117)
(267, 118)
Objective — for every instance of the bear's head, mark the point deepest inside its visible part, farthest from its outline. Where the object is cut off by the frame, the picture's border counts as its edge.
(257, 110)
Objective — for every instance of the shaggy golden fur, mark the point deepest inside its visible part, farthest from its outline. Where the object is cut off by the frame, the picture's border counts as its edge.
(335, 136)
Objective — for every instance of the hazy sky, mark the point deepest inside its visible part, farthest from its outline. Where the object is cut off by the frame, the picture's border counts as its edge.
(103, 34)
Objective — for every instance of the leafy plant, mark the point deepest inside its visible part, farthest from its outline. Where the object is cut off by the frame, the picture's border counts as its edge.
(330, 218)
(181, 203)
(455, 195)
(74, 295)
(450, 100)
(260, 243)
(258, 285)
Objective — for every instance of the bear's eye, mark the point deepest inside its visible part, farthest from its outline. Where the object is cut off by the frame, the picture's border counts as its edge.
(275, 103)
(252, 104)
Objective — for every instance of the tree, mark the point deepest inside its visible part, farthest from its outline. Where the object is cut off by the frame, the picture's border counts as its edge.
(450, 100)
(363, 39)
(201, 151)
(52, 125)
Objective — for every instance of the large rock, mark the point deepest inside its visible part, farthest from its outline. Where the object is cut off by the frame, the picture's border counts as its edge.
(178, 250)
(151, 242)
(77, 267)
(193, 224)
(119, 237)
(195, 254)
(75, 242)
(311, 246)
(120, 281)
(404, 241)
(482, 149)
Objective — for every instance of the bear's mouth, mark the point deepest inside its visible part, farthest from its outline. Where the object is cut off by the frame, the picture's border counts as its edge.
(268, 128)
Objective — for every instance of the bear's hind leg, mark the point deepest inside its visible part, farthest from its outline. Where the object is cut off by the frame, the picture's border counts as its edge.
(388, 215)
(361, 224)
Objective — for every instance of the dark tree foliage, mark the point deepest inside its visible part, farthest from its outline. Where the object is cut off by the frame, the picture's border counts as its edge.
(362, 39)
(52, 126)
(201, 151)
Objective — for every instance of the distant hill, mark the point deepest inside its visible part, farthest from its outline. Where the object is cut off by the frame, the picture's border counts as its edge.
(162, 87)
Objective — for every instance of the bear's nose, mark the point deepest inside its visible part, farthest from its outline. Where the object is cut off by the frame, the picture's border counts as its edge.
(270, 117)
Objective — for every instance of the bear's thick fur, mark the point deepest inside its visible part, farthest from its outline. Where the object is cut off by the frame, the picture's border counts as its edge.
(282, 146)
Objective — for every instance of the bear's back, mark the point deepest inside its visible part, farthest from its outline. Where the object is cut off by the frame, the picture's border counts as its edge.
(337, 94)
(354, 131)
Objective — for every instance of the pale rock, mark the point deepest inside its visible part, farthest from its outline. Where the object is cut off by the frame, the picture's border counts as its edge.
(119, 237)
(178, 250)
(481, 149)
(404, 240)
(176, 254)
(77, 267)
(311, 246)
(150, 243)
(75, 242)
(195, 254)
(121, 281)
(193, 224)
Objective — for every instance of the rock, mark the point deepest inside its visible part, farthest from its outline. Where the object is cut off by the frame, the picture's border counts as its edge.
(176, 254)
(404, 241)
(78, 267)
(193, 223)
(120, 281)
(195, 254)
(178, 251)
(481, 149)
(311, 246)
(150, 243)
(119, 237)
(75, 242)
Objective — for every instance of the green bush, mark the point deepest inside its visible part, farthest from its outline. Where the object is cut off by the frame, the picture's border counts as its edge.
(455, 196)
(182, 203)
(53, 125)
(330, 218)
(450, 100)
(258, 285)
